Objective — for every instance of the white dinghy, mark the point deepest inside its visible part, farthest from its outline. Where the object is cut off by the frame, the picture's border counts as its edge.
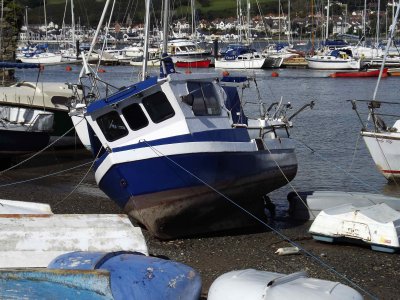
(311, 203)
(377, 225)
(253, 284)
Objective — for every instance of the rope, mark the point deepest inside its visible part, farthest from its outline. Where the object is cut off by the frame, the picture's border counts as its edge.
(354, 153)
(337, 167)
(80, 182)
(280, 234)
(44, 176)
(288, 181)
(41, 151)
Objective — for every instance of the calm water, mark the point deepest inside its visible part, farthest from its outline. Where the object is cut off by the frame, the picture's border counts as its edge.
(331, 128)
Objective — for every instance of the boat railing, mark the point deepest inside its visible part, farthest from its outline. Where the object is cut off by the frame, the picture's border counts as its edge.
(375, 115)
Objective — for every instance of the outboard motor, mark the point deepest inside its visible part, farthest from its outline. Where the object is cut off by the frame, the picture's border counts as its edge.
(166, 66)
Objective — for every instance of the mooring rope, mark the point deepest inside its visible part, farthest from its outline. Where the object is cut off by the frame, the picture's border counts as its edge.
(280, 234)
(40, 151)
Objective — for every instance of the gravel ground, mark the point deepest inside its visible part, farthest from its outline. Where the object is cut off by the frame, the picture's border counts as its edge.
(376, 273)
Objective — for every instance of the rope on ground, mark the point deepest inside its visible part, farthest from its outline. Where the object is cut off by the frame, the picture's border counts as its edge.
(80, 182)
(280, 234)
(354, 154)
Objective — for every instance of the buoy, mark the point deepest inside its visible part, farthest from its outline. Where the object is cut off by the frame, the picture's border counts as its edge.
(102, 71)
(187, 71)
(275, 74)
(41, 67)
(225, 73)
(68, 68)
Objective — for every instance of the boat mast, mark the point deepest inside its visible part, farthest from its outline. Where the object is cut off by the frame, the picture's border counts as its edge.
(146, 40)
(279, 21)
(389, 42)
(45, 18)
(26, 22)
(327, 22)
(1, 30)
(364, 18)
(377, 23)
(165, 26)
(289, 26)
(248, 22)
(73, 24)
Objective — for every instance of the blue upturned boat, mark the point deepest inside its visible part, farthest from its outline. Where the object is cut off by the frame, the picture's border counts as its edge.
(99, 275)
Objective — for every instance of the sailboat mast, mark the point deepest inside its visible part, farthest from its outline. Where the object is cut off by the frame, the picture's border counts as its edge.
(327, 21)
(73, 23)
(378, 23)
(289, 25)
(165, 26)
(1, 29)
(45, 18)
(26, 22)
(248, 22)
(279, 21)
(146, 40)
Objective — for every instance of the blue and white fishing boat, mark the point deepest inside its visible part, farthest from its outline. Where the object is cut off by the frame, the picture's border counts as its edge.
(171, 151)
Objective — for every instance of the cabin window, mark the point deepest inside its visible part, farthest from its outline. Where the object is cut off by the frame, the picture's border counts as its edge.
(135, 116)
(112, 126)
(204, 99)
(158, 107)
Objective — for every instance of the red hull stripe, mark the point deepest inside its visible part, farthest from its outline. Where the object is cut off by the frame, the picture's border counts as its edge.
(391, 171)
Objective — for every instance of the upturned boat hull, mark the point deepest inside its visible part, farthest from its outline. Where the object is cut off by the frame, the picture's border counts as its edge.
(171, 202)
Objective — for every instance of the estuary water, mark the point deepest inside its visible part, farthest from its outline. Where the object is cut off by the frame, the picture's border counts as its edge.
(338, 160)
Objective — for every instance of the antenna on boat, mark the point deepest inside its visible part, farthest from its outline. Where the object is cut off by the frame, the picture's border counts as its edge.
(389, 42)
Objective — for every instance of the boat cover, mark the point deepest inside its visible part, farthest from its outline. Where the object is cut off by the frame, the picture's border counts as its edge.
(253, 284)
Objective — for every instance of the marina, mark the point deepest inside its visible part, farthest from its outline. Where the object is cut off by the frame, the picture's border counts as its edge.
(205, 174)
(336, 162)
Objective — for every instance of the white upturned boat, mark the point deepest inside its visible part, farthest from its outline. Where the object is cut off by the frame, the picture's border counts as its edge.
(253, 284)
(376, 225)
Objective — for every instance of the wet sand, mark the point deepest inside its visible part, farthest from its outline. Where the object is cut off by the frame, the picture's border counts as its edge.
(375, 272)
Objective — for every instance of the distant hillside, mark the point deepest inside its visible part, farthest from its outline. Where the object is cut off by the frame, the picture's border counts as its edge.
(89, 11)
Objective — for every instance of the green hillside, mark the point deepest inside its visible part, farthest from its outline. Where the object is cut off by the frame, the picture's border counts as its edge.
(89, 11)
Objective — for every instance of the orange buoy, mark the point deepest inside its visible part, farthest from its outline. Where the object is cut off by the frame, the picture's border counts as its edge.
(275, 74)
(68, 68)
(187, 71)
(225, 73)
(102, 71)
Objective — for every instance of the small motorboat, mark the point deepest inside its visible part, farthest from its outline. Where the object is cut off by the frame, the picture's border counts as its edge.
(371, 73)
(254, 284)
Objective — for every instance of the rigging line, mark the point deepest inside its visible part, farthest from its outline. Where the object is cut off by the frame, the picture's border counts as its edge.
(288, 181)
(44, 176)
(337, 167)
(354, 153)
(80, 182)
(39, 152)
(279, 233)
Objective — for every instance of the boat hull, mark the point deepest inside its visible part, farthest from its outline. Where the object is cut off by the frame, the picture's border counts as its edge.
(172, 203)
(384, 149)
(373, 73)
(21, 142)
(204, 63)
(322, 63)
(258, 63)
